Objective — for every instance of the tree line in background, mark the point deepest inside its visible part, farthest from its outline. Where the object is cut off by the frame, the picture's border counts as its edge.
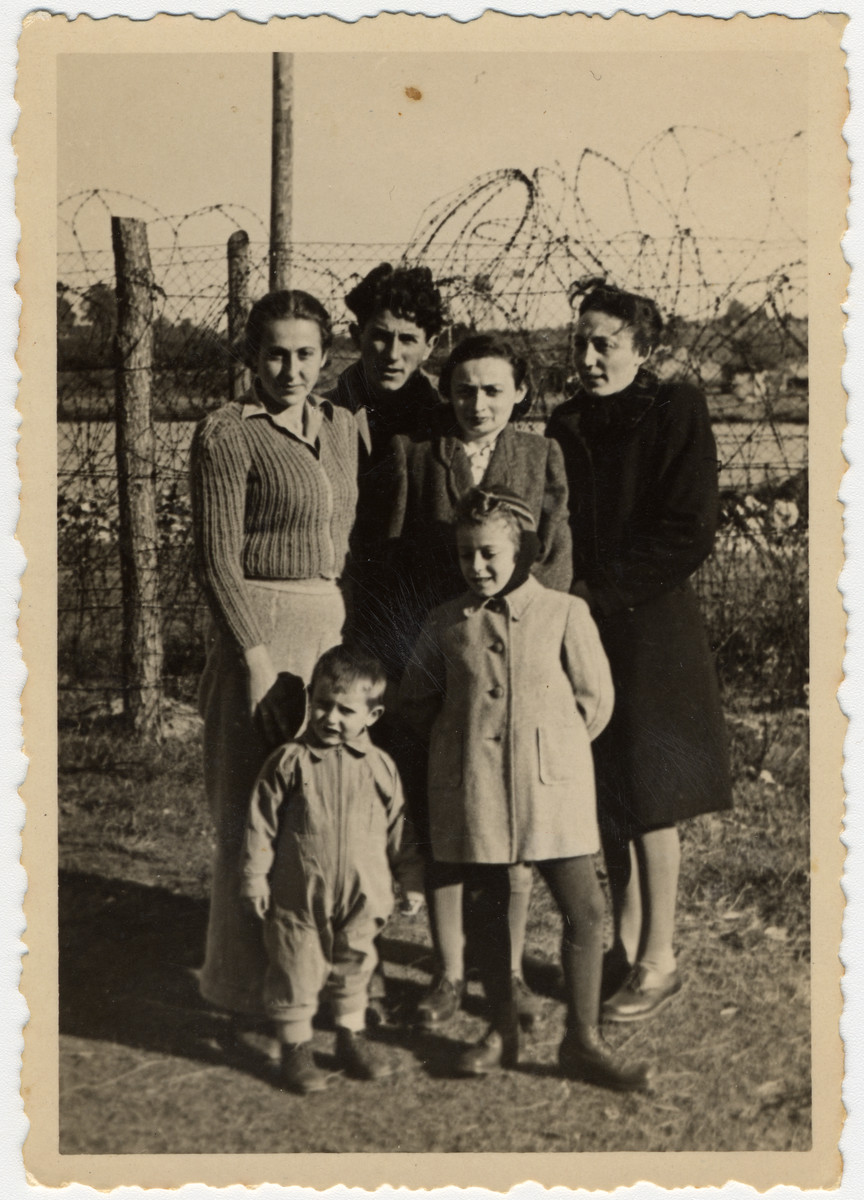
(190, 359)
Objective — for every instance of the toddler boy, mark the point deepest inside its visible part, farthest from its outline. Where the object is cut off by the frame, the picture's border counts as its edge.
(325, 828)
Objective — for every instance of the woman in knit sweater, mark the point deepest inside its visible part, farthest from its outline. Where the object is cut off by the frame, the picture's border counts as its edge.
(274, 493)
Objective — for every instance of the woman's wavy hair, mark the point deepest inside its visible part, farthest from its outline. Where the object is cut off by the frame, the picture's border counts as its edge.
(407, 292)
(279, 306)
(489, 345)
(640, 315)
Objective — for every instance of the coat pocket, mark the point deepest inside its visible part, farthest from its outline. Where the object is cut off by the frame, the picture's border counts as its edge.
(445, 758)
(556, 754)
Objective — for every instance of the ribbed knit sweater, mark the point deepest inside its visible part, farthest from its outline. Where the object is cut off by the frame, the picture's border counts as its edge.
(266, 505)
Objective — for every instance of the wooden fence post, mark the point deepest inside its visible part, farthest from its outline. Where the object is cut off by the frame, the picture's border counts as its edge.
(238, 310)
(281, 171)
(136, 478)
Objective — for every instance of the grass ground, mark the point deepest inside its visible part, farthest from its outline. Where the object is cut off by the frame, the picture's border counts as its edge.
(143, 1068)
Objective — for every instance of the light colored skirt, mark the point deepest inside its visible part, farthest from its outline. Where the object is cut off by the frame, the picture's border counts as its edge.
(300, 619)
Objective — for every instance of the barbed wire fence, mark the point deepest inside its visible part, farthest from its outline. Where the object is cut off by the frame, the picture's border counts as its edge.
(511, 251)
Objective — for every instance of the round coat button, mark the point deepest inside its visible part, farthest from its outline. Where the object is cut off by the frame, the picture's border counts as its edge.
(497, 692)
(497, 647)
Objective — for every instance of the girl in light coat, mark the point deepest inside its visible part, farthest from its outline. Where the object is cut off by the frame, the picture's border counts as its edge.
(510, 683)
(486, 387)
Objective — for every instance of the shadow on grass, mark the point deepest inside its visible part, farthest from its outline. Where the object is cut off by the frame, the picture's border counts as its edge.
(128, 960)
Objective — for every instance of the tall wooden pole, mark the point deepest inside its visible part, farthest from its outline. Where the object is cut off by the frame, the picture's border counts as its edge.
(281, 171)
(136, 478)
(238, 310)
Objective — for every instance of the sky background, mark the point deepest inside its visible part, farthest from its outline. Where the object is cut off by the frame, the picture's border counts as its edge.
(183, 132)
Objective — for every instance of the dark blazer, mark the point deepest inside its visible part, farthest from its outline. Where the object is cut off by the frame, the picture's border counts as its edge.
(642, 474)
(415, 410)
(428, 476)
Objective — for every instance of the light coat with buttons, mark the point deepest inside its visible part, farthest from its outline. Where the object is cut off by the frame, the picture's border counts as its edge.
(510, 691)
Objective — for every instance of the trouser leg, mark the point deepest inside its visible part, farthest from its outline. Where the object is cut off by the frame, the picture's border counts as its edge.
(353, 959)
(296, 972)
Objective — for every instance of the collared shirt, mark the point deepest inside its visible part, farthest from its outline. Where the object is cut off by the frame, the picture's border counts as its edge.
(479, 457)
(315, 408)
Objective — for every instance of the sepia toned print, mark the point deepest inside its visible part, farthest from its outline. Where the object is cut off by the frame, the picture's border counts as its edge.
(507, 187)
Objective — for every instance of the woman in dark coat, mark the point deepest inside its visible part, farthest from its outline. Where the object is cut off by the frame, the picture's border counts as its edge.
(642, 475)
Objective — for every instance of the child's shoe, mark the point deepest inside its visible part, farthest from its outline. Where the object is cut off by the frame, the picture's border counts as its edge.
(441, 1003)
(584, 1055)
(298, 1071)
(359, 1057)
(527, 1004)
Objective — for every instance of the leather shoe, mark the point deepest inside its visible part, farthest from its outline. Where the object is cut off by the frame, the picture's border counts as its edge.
(635, 1001)
(441, 1003)
(584, 1055)
(494, 1051)
(299, 1072)
(359, 1057)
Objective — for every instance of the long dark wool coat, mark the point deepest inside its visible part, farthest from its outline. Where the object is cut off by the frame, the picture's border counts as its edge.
(642, 475)
(429, 476)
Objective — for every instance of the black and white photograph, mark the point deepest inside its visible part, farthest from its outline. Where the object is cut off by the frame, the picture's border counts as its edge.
(433, 595)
